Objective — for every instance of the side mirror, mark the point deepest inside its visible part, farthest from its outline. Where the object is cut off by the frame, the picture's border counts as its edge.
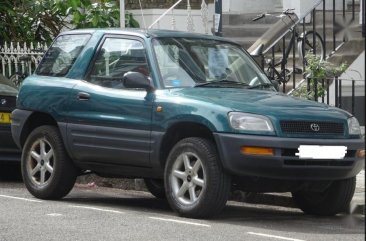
(275, 84)
(136, 80)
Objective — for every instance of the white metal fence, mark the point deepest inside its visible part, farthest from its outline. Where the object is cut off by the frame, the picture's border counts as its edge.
(178, 18)
(20, 57)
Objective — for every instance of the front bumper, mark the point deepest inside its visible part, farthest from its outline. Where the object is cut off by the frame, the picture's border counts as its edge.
(284, 164)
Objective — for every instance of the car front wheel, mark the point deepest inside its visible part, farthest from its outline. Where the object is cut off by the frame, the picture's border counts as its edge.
(47, 171)
(196, 185)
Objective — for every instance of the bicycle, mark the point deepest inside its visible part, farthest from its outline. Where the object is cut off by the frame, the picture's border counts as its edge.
(305, 44)
(18, 77)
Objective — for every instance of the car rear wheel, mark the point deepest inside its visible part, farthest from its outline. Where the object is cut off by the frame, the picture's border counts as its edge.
(331, 201)
(47, 171)
(196, 185)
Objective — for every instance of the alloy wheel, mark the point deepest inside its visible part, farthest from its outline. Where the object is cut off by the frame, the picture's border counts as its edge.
(40, 162)
(188, 178)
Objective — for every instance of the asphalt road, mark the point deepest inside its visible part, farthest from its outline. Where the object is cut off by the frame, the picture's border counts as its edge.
(93, 213)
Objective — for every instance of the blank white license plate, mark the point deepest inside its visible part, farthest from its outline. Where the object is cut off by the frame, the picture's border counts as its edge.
(321, 152)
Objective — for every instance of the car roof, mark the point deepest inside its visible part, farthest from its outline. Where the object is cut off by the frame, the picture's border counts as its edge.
(146, 33)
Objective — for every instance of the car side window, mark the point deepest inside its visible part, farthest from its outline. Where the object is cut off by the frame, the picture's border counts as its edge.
(62, 54)
(116, 57)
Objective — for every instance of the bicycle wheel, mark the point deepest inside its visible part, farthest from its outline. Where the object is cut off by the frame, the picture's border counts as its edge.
(306, 45)
(281, 77)
(16, 79)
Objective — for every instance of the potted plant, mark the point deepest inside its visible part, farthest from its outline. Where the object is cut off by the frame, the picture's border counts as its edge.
(317, 75)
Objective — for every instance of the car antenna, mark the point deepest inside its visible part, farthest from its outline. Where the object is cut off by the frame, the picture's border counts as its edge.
(142, 15)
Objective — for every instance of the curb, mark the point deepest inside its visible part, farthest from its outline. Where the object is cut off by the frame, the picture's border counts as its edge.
(274, 199)
(356, 209)
(285, 200)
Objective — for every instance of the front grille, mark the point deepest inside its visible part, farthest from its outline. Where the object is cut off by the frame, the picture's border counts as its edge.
(312, 127)
(328, 163)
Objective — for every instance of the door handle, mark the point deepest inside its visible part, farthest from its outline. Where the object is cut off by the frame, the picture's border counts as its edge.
(83, 96)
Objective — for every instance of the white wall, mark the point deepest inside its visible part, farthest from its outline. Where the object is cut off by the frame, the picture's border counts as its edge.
(303, 6)
(356, 71)
(180, 16)
(361, 12)
(250, 6)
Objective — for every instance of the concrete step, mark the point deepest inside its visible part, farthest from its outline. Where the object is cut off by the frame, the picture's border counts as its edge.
(338, 16)
(357, 6)
(245, 30)
(247, 34)
(246, 18)
(257, 30)
(246, 42)
(348, 52)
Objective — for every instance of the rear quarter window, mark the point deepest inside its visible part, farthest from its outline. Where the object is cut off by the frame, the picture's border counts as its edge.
(62, 54)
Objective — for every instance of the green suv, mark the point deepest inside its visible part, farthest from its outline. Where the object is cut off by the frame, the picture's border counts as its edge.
(191, 114)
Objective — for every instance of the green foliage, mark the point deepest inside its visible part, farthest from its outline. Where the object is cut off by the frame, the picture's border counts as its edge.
(43, 20)
(130, 21)
(316, 71)
(27, 21)
(85, 14)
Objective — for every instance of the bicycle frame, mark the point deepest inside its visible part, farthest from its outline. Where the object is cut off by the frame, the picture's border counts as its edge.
(273, 35)
(283, 60)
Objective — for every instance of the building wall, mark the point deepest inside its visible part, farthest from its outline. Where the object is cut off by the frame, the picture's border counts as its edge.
(164, 4)
(250, 6)
(180, 16)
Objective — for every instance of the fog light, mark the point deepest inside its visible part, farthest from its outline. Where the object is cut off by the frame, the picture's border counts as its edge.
(254, 150)
(361, 153)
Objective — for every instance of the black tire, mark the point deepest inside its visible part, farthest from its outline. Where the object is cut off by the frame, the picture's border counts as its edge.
(306, 45)
(204, 176)
(58, 181)
(155, 187)
(335, 199)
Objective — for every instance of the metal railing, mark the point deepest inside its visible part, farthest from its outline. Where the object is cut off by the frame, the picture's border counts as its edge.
(363, 2)
(12, 57)
(190, 22)
(338, 92)
(332, 26)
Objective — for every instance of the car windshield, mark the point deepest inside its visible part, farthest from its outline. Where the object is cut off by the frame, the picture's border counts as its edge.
(192, 62)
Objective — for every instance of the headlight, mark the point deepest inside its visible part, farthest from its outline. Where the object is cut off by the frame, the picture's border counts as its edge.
(353, 126)
(250, 122)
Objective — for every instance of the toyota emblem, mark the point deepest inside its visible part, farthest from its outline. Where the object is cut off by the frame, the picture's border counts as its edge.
(3, 101)
(315, 127)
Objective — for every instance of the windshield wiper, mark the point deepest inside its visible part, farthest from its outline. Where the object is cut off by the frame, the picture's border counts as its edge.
(219, 82)
(261, 85)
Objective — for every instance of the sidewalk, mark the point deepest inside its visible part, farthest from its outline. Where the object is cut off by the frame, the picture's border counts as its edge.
(358, 202)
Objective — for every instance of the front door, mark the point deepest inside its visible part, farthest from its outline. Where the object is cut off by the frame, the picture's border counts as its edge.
(107, 122)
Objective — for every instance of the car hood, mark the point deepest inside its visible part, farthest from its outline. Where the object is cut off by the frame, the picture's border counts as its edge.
(269, 103)
(6, 87)
(6, 90)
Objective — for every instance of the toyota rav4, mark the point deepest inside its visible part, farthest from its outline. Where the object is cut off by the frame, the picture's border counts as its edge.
(191, 114)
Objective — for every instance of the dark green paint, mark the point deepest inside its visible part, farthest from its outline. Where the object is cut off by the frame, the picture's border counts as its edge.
(136, 109)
